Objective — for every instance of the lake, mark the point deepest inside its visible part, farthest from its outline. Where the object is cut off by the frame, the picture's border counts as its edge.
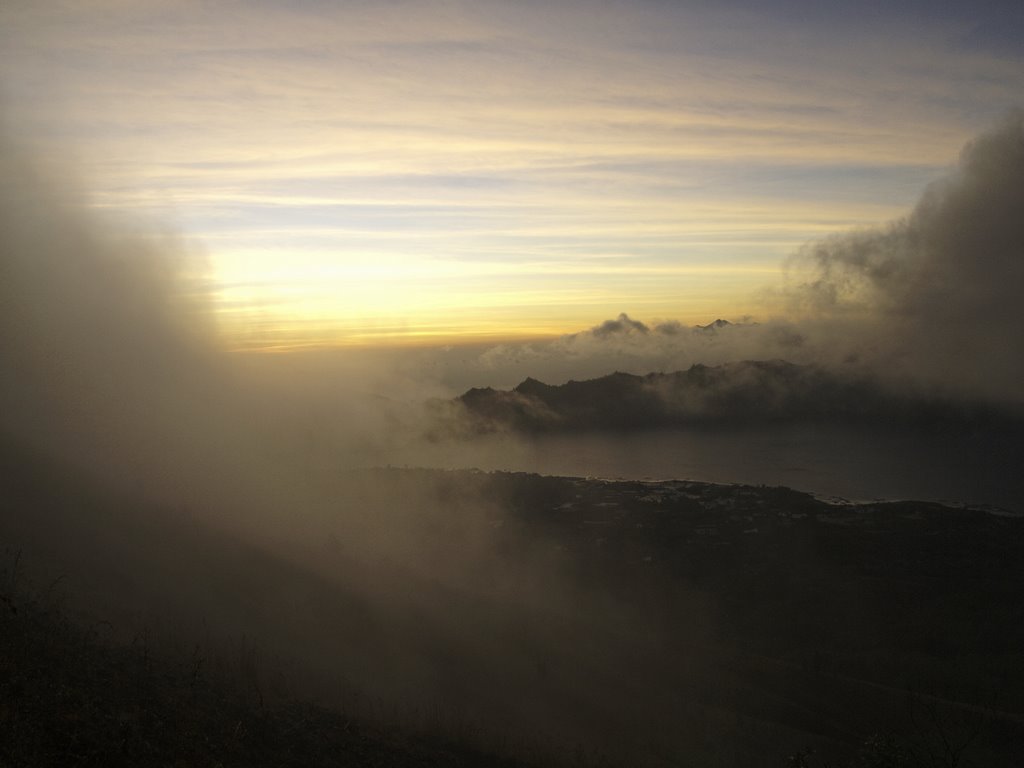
(855, 464)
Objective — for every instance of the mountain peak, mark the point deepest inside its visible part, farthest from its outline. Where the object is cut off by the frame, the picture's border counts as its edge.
(531, 386)
(714, 326)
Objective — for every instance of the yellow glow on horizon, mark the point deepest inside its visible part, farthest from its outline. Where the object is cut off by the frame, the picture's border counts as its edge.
(368, 174)
(451, 303)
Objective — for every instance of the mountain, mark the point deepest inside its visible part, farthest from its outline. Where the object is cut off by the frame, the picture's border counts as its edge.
(748, 392)
(713, 326)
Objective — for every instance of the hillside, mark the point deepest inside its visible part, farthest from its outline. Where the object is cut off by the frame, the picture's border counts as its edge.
(748, 393)
(70, 699)
(643, 621)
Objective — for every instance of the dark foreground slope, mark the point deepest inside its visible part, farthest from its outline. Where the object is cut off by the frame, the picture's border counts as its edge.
(133, 636)
(653, 622)
(71, 699)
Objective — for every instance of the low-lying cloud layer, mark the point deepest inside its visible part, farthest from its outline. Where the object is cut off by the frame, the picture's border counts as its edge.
(930, 302)
(633, 346)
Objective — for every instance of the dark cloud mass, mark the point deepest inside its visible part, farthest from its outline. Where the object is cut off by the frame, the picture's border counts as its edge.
(107, 338)
(936, 296)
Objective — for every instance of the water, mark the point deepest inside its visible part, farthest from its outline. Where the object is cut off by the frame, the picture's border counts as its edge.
(978, 469)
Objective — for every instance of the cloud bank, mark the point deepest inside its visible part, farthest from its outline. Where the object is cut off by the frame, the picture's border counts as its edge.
(936, 296)
(108, 339)
(930, 302)
(176, 486)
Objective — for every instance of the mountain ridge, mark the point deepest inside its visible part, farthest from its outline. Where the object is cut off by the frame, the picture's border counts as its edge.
(744, 392)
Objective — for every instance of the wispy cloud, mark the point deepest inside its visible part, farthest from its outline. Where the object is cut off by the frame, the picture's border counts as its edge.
(456, 133)
(929, 302)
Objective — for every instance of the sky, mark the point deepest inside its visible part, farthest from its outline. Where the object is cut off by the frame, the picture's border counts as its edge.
(408, 199)
(361, 173)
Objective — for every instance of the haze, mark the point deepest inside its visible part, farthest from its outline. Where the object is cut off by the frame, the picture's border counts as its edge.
(249, 250)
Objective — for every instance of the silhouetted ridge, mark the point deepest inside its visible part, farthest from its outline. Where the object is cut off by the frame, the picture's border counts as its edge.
(532, 387)
(477, 394)
(714, 326)
(747, 392)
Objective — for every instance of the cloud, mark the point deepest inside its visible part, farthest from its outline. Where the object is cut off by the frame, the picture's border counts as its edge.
(930, 302)
(633, 346)
(936, 295)
(112, 360)
(180, 486)
(469, 135)
(623, 325)
(107, 333)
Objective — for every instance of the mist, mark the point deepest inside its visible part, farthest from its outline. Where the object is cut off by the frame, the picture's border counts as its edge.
(935, 296)
(177, 484)
(178, 491)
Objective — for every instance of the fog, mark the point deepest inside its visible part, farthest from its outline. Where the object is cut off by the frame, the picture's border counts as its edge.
(174, 482)
(183, 493)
